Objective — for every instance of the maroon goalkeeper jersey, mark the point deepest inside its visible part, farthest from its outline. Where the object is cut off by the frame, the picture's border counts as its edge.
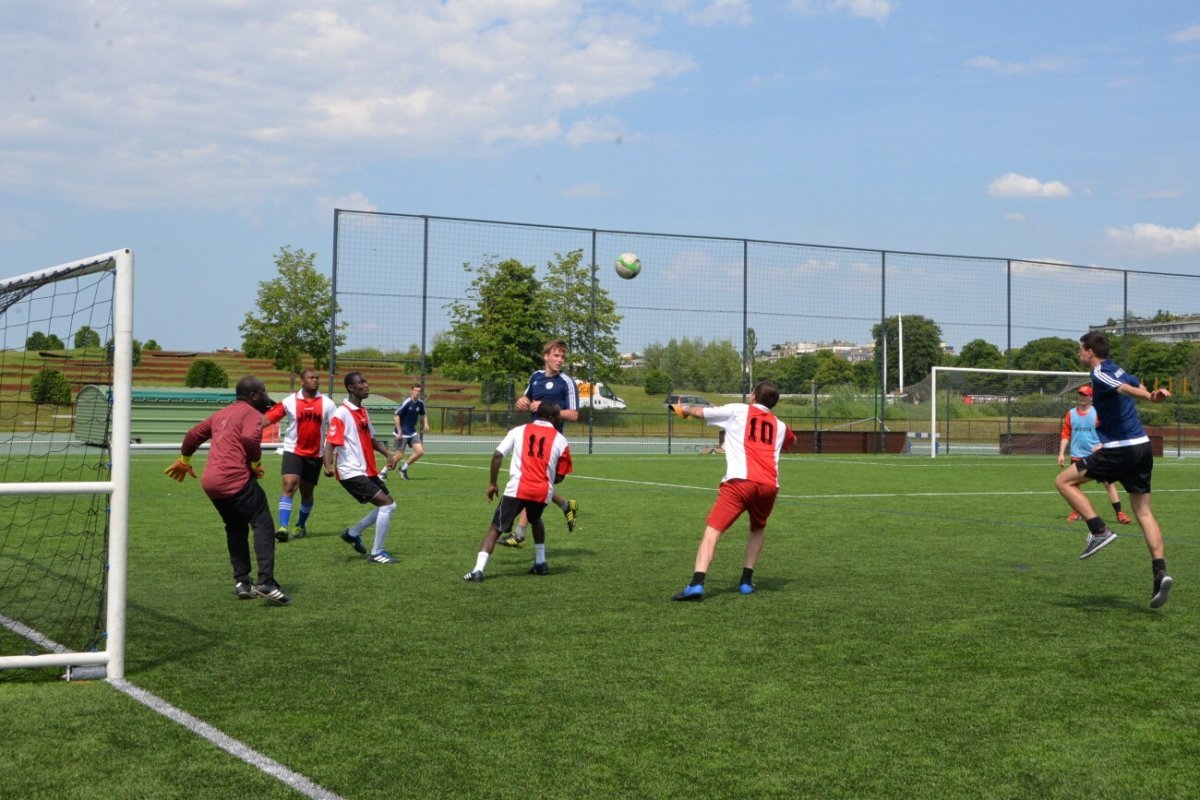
(236, 434)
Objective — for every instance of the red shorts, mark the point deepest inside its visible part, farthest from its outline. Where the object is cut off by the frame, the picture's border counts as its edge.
(738, 495)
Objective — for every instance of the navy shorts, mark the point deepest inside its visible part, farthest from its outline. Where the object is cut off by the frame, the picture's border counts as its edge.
(1130, 466)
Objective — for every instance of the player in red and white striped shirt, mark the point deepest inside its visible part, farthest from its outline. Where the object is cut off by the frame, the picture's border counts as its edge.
(754, 438)
(541, 458)
(308, 413)
(350, 447)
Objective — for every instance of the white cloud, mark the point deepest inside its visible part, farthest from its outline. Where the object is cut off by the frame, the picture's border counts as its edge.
(604, 129)
(1186, 35)
(1014, 185)
(214, 104)
(713, 12)
(354, 201)
(1156, 238)
(1040, 64)
(1015, 216)
(878, 10)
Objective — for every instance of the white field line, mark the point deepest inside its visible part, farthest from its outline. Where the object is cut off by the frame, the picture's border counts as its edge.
(292, 780)
(839, 496)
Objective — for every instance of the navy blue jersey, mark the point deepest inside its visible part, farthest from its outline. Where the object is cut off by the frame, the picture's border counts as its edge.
(1119, 424)
(409, 412)
(560, 388)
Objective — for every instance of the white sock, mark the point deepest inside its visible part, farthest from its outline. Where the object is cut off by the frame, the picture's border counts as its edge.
(382, 521)
(539, 554)
(365, 522)
(481, 561)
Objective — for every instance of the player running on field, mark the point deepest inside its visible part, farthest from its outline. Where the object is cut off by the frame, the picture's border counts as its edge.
(550, 383)
(405, 429)
(540, 459)
(754, 438)
(1079, 436)
(350, 447)
(308, 413)
(1125, 455)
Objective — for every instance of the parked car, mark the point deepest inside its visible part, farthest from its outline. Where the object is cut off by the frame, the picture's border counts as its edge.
(686, 399)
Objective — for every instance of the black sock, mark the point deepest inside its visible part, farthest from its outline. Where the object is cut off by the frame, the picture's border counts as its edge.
(697, 579)
(1159, 565)
(747, 574)
(1096, 525)
(1117, 507)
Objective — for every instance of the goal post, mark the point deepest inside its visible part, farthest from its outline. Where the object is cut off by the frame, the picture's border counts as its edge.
(1029, 400)
(64, 497)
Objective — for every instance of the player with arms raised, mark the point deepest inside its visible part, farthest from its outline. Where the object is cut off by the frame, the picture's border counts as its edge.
(540, 459)
(754, 438)
(308, 413)
(1125, 455)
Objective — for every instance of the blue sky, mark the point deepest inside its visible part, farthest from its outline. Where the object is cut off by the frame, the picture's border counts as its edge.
(205, 135)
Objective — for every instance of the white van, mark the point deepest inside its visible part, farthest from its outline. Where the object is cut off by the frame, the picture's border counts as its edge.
(597, 396)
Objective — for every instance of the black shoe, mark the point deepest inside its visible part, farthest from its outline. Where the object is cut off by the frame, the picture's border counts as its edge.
(1162, 590)
(243, 590)
(271, 593)
(354, 541)
(404, 473)
(281, 535)
(540, 569)
(474, 576)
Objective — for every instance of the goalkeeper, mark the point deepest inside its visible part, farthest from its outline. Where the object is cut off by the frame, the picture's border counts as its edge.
(231, 482)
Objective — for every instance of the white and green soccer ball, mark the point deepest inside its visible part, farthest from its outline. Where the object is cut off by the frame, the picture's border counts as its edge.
(628, 265)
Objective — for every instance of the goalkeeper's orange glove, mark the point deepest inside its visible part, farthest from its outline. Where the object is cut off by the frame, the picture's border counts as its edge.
(180, 469)
(678, 409)
(257, 468)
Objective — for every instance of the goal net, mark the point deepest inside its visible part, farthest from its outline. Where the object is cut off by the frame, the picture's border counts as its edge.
(997, 411)
(66, 345)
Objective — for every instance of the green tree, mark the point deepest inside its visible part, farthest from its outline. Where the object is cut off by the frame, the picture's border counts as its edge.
(1051, 353)
(1151, 360)
(693, 364)
(567, 295)
(35, 341)
(657, 383)
(980, 353)
(832, 369)
(206, 373)
(152, 345)
(497, 331)
(50, 387)
(922, 348)
(291, 320)
(86, 338)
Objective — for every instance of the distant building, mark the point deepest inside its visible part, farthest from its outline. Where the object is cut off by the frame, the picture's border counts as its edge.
(1183, 328)
(847, 350)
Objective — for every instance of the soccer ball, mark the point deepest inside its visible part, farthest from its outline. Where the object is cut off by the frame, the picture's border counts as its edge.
(628, 265)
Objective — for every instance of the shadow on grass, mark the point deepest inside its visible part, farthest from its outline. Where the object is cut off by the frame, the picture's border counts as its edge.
(1106, 602)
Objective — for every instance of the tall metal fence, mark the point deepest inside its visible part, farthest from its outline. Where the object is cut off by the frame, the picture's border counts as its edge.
(395, 275)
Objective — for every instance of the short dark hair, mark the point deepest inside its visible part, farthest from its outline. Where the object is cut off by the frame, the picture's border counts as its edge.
(766, 393)
(248, 386)
(548, 410)
(352, 377)
(1097, 342)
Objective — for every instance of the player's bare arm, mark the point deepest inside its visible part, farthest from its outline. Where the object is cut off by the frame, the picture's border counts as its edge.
(494, 474)
(330, 460)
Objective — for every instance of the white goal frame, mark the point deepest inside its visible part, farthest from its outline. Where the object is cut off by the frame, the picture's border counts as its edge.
(933, 383)
(112, 657)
